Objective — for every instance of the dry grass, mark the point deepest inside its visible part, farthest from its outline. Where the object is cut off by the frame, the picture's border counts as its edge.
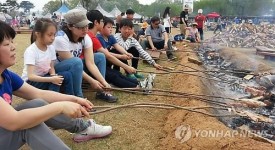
(132, 128)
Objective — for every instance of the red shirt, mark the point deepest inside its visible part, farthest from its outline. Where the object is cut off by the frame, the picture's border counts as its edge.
(200, 19)
(96, 44)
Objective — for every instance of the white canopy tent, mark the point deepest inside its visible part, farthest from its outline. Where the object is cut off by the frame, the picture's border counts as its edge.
(137, 16)
(5, 17)
(80, 7)
(105, 13)
(48, 15)
(115, 12)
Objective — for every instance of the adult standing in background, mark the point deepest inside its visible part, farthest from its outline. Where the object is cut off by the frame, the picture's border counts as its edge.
(183, 21)
(118, 19)
(219, 25)
(166, 20)
(130, 14)
(200, 20)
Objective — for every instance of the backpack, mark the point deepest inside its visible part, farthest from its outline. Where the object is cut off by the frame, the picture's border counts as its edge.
(179, 37)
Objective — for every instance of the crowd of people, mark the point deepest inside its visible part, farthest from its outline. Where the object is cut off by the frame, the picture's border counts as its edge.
(83, 47)
(57, 61)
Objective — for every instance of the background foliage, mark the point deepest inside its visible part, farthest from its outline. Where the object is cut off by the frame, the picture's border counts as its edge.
(224, 7)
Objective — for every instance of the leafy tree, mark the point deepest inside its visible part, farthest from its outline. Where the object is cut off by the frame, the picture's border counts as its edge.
(224, 7)
(26, 5)
(73, 3)
(51, 6)
(89, 5)
(10, 5)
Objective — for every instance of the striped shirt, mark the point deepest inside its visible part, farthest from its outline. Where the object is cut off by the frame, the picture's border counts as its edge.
(132, 42)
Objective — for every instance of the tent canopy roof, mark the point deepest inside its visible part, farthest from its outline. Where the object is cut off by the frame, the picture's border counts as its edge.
(115, 12)
(105, 13)
(62, 9)
(213, 15)
(4, 16)
(80, 7)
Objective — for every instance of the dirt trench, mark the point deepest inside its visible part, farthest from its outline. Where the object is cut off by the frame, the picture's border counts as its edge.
(198, 122)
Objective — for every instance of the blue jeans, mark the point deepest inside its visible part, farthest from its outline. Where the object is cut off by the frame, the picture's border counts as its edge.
(67, 83)
(201, 33)
(75, 66)
(119, 80)
(100, 62)
(218, 27)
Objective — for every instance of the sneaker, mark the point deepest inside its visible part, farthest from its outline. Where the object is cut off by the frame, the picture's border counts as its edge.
(174, 48)
(92, 132)
(139, 75)
(132, 76)
(106, 97)
(171, 57)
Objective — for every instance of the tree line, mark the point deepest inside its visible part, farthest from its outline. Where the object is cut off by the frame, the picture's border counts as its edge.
(224, 7)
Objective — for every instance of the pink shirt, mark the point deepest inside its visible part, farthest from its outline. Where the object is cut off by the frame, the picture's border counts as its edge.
(192, 31)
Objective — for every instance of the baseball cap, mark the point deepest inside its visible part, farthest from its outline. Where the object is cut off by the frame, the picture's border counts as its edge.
(77, 18)
(200, 11)
(195, 24)
(144, 25)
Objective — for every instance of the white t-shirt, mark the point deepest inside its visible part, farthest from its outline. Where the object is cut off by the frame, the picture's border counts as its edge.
(40, 59)
(166, 21)
(62, 43)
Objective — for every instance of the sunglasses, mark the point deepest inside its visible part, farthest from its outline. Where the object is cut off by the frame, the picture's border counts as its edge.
(81, 28)
(156, 23)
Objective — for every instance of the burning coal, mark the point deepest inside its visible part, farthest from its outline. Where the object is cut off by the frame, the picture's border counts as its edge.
(255, 91)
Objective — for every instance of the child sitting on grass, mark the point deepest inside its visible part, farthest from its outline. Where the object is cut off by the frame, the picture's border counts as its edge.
(39, 59)
(109, 43)
(126, 40)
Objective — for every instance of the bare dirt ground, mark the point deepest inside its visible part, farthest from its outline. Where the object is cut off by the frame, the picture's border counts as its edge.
(151, 128)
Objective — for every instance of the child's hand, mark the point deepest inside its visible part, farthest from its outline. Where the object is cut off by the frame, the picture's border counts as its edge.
(130, 56)
(130, 70)
(124, 57)
(57, 80)
(96, 85)
(72, 109)
(157, 66)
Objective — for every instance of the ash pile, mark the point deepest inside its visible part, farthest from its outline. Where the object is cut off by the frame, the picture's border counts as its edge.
(246, 36)
(253, 91)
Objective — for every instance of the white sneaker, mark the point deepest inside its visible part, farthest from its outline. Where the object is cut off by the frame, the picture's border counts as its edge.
(174, 48)
(92, 132)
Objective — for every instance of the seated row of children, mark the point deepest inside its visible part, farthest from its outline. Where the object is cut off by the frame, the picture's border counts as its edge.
(64, 57)
(83, 54)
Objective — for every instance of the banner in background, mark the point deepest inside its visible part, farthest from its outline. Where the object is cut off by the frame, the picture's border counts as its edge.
(189, 4)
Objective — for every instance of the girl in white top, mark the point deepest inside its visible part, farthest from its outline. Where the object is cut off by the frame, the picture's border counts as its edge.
(39, 60)
(166, 20)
